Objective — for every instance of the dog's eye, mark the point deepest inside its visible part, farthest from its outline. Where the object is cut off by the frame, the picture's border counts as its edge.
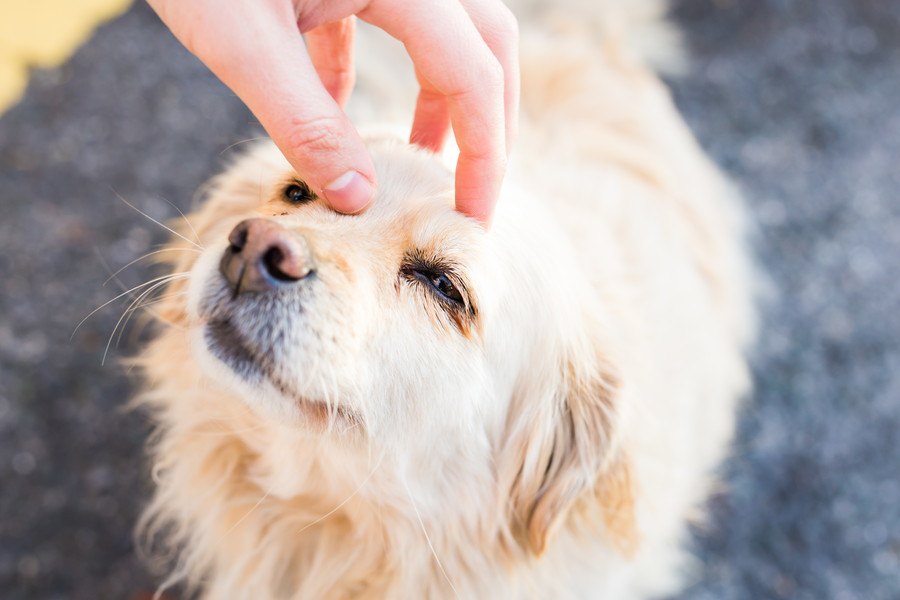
(440, 283)
(298, 193)
(443, 284)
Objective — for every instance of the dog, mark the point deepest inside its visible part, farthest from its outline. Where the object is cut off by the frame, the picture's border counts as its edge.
(404, 404)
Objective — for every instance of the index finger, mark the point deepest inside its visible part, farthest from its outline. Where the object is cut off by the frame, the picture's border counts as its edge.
(449, 52)
(265, 62)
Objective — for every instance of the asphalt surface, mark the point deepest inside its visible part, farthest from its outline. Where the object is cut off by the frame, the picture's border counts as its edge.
(797, 100)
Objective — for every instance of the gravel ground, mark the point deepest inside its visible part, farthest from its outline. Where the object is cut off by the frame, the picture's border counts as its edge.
(798, 100)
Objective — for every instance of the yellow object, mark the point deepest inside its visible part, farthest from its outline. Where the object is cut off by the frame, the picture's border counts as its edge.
(13, 78)
(44, 33)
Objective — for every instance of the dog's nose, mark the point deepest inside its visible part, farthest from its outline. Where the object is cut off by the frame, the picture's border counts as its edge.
(264, 256)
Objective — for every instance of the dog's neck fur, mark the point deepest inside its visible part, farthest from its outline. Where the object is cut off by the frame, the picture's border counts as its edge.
(319, 505)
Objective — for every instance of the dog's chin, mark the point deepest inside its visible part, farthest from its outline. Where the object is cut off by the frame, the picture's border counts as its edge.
(229, 360)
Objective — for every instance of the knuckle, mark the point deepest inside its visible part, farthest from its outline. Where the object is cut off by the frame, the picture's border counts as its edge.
(484, 79)
(339, 76)
(507, 25)
(491, 74)
(498, 161)
(314, 135)
(490, 155)
(337, 81)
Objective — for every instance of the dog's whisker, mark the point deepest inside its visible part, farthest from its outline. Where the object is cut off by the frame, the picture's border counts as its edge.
(158, 283)
(239, 142)
(125, 293)
(164, 226)
(141, 302)
(124, 287)
(186, 220)
(126, 316)
(247, 514)
(331, 402)
(143, 294)
(112, 276)
(145, 306)
(160, 299)
(346, 500)
(427, 537)
(148, 255)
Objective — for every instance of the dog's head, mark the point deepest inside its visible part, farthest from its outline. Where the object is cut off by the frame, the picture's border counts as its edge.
(411, 329)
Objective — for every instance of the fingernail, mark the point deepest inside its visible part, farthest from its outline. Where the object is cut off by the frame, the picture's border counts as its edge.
(349, 193)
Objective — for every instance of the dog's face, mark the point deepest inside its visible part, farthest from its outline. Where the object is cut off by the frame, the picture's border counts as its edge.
(409, 327)
(372, 323)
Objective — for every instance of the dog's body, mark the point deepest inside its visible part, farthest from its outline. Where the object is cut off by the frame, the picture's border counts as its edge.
(428, 410)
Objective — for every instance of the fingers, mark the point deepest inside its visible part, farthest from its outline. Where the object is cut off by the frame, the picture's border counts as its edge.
(500, 30)
(263, 59)
(455, 62)
(330, 48)
(465, 52)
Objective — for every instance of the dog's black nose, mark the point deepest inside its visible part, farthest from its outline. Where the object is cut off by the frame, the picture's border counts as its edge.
(264, 256)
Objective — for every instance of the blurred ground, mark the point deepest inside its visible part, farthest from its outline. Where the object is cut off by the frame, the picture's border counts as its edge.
(797, 99)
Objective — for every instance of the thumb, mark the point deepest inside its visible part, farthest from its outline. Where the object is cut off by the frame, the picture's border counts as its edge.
(260, 55)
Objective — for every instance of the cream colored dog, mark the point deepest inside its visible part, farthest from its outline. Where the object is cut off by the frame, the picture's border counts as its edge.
(401, 404)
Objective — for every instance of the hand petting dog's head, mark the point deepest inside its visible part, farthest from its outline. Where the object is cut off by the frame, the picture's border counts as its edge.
(408, 331)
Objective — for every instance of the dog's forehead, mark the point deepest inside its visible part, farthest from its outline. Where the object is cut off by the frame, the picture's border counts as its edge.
(409, 180)
(415, 198)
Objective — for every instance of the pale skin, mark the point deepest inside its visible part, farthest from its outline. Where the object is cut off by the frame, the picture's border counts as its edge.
(466, 57)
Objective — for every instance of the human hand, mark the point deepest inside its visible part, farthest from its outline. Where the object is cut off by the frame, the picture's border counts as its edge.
(466, 57)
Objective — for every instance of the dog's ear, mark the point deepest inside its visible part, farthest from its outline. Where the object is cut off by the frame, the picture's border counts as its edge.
(566, 452)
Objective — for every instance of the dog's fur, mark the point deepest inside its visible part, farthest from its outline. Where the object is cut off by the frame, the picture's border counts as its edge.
(355, 436)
